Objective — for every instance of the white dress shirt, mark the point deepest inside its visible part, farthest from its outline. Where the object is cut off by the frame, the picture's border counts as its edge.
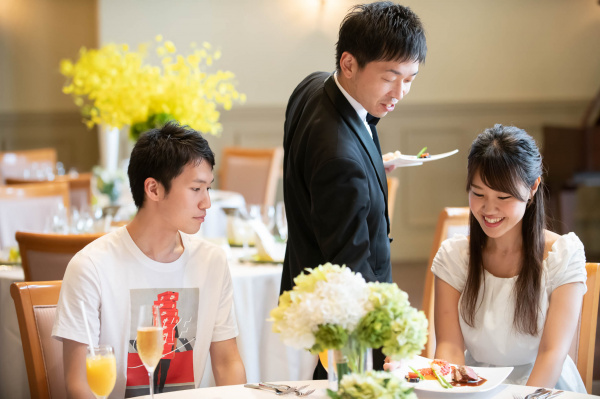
(360, 110)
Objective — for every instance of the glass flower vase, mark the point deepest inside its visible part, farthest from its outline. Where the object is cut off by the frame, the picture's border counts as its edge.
(351, 358)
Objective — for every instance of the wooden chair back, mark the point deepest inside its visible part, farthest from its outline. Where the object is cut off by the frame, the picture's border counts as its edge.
(584, 342)
(450, 222)
(252, 172)
(15, 163)
(35, 304)
(80, 187)
(45, 256)
(392, 183)
(29, 207)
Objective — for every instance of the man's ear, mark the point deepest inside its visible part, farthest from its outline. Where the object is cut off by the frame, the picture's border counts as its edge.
(153, 189)
(348, 65)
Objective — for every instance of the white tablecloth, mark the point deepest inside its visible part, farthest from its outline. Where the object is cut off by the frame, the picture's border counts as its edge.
(239, 392)
(13, 374)
(25, 214)
(256, 290)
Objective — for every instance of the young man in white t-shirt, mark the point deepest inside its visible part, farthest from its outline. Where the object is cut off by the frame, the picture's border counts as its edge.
(155, 260)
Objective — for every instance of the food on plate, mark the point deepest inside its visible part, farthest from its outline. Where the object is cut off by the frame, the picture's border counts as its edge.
(446, 374)
(464, 374)
(424, 155)
(422, 152)
(391, 155)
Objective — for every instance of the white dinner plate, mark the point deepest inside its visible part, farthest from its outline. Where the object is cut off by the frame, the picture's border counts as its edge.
(412, 160)
(494, 376)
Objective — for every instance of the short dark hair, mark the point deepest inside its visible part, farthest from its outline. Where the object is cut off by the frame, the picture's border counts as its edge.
(162, 154)
(381, 31)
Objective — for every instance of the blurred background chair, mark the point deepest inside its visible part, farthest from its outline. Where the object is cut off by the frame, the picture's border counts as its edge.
(45, 256)
(392, 183)
(252, 172)
(584, 342)
(80, 187)
(36, 306)
(451, 221)
(27, 162)
(30, 207)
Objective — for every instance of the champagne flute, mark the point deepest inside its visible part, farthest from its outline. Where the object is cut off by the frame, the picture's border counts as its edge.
(150, 341)
(281, 221)
(101, 369)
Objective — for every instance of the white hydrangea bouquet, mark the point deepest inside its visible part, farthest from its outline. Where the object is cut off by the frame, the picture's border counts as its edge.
(332, 308)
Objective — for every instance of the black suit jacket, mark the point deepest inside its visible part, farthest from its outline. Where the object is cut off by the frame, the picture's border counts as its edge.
(335, 188)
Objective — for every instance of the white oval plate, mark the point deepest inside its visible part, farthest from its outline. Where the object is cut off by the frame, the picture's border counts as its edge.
(494, 376)
(412, 160)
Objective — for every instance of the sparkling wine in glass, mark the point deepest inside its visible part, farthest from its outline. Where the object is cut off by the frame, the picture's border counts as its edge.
(101, 369)
(150, 341)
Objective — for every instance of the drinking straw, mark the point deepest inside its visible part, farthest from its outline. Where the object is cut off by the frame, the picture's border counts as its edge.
(87, 328)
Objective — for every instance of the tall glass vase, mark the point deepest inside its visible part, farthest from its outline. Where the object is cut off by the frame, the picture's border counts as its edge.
(108, 140)
(351, 358)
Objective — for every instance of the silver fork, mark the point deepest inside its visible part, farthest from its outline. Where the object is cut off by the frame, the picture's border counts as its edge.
(298, 393)
(285, 387)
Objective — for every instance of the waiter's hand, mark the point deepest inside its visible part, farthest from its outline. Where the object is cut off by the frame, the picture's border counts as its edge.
(388, 169)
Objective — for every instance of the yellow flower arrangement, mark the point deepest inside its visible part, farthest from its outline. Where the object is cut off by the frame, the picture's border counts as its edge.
(114, 86)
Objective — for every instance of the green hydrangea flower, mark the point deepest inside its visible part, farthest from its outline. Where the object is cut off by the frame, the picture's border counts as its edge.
(372, 385)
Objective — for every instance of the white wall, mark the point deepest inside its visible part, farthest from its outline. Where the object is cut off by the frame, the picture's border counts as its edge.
(528, 63)
(479, 50)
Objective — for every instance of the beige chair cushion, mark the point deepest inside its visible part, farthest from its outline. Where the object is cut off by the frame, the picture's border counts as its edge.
(247, 176)
(51, 351)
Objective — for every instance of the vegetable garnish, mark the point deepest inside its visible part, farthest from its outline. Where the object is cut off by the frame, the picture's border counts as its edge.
(441, 379)
(421, 152)
(418, 373)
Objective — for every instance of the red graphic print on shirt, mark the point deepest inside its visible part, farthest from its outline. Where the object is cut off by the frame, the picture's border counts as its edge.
(178, 313)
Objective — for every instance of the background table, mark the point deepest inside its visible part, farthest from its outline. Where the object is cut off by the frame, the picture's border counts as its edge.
(13, 375)
(215, 223)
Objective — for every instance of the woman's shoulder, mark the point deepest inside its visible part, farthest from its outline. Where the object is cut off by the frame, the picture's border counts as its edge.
(561, 247)
(455, 248)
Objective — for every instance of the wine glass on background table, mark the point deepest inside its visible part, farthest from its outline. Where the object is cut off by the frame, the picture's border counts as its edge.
(101, 369)
(281, 221)
(150, 341)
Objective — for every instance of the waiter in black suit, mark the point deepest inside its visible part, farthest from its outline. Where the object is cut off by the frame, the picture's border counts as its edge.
(335, 187)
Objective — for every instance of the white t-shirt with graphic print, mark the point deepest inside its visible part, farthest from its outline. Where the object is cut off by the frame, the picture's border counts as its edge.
(113, 277)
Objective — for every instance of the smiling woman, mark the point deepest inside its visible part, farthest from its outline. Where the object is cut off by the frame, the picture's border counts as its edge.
(492, 292)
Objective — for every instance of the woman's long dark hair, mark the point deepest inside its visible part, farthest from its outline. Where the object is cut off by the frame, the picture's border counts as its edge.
(506, 158)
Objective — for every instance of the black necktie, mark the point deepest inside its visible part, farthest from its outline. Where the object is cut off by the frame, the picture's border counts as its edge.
(372, 121)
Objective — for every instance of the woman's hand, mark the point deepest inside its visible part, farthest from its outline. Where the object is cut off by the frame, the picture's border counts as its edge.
(391, 365)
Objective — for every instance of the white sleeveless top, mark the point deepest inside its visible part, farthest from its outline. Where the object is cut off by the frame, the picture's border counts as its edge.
(493, 342)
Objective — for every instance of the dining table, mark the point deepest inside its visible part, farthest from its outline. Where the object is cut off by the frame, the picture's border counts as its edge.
(502, 391)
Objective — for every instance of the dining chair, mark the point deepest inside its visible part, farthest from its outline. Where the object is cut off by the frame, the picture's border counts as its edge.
(35, 304)
(392, 183)
(451, 221)
(45, 256)
(584, 343)
(252, 172)
(17, 163)
(80, 187)
(29, 207)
